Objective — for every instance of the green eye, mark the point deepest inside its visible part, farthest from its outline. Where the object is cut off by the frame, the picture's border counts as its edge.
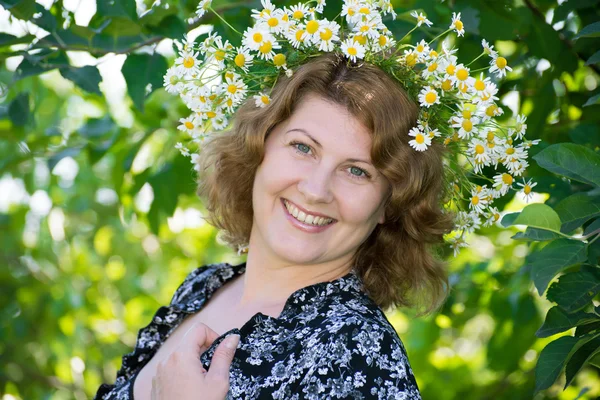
(356, 171)
(303, 147)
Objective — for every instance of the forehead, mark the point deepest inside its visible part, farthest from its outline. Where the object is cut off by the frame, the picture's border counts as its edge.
(331, 124)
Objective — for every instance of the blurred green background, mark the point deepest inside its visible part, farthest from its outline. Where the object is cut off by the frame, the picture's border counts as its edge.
(99, 222)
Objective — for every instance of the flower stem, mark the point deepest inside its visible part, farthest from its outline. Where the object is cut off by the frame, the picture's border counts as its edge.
(225, 22)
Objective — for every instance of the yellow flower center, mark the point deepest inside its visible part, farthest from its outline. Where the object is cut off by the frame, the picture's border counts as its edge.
(527, 189)
(297, 14)
(328, 34)
(279, 60)
(459, 25)
(360, 39)
(496, 216)
(507, 178)
(510, 150)
(479, 85)
(257, 37)
(351, 12)
(466, 114)
(432, 67)
(411, 59)
(352, 51)
(420, 48)
(451, 69)
(265, 99)
(364, 10)
(419, 138)
(240, 60)
(479, 149)
(211, 114)
(491, 110)
(220, 55)
(462, 74)
(382, 40)
(447, 85)
(312, 26)
(501, 62)
(273, 22)
(299, 34)
(232, 89)
(430, 97)
(433, 54)
(475, 200)
(266, 48)
(467, 125)
(189, 125)
(490, 136)
(188, 62)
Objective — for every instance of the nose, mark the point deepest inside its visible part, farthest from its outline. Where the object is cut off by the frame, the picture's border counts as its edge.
(316, 185)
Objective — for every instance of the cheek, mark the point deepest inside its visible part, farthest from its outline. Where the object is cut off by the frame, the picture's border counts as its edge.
(360, 206)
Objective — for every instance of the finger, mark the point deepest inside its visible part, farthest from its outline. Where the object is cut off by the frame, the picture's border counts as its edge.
(199, 336)
(222, 358)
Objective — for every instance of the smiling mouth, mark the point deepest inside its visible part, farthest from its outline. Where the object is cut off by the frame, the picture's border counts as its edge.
(305, 218)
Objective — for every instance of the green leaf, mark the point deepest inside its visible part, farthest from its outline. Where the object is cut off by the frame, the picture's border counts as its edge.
(576, 210)
(591, 30)
(572, 161)
(594, 226)
(97, 127)
(22, 9)
(172, 27)
(141, 70)
(18, 110)
(553, 258)
(117, 8)
(9, 40)
(45, 60)
(536, 235)
(594, 59)
(87, 78)
(582, 330)
(539, 216)
(509, 219)
(592, 100)
(551, 361)
(580, 357)
(557, 320)
(575, 290)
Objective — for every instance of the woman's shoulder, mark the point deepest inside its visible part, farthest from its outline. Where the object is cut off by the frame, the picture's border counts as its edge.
(203, 279)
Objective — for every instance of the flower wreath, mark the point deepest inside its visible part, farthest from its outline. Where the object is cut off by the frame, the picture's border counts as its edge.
(457, 103)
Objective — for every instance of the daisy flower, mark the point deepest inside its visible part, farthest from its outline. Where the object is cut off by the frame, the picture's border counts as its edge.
(265, 50)
(479, 199)
(203, 7)
(220, 52)
(421, 141)
(297, 36)
(328, 35)
(173, 80)
(456, 243)
(234, 88)
(421, 19)
(189, 125)
(350, 10)
(368, 27)
(243, 58)
(492, 216)
(387, 8)
(489, 49)
(278, 21)
(461, 75)
(457, 24)
(480, 85)
(280, 61)
(220, 123)
(428, 97)
(262, 100)
(353, 50)
(383, 42)
(299, 11)
(256, 36)
(521, 126)
(478, 151)
(265, 13)
(526, 191)
(189, 62)
(421, 49)
(433, 69)
(499, 66)
(320, 5)
(503, 182)
(182, 149)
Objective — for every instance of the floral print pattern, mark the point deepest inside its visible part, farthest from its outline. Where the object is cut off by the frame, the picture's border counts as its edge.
(331, 341)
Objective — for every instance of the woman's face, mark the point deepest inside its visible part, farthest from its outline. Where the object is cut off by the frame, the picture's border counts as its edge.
(318, 162)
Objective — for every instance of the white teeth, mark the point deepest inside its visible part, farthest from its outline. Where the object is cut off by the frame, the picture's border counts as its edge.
(307, 219)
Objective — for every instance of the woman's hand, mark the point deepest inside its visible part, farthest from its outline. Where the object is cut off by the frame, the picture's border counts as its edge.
(181, 375)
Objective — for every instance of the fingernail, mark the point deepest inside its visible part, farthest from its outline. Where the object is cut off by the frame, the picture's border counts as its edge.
(232, 341)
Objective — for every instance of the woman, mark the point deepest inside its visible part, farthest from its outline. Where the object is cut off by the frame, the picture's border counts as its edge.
(340, 216)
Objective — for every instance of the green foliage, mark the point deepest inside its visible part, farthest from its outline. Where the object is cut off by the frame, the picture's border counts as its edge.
(124, 226)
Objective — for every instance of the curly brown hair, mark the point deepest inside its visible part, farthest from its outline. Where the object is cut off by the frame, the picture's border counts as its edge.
(399, 262)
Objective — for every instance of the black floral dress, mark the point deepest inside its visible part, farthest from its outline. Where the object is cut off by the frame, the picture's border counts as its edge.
(331, 341)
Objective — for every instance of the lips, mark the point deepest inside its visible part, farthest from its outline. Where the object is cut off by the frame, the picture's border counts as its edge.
(306, 227)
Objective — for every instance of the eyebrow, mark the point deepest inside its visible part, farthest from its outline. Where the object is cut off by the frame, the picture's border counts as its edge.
(321, 146)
